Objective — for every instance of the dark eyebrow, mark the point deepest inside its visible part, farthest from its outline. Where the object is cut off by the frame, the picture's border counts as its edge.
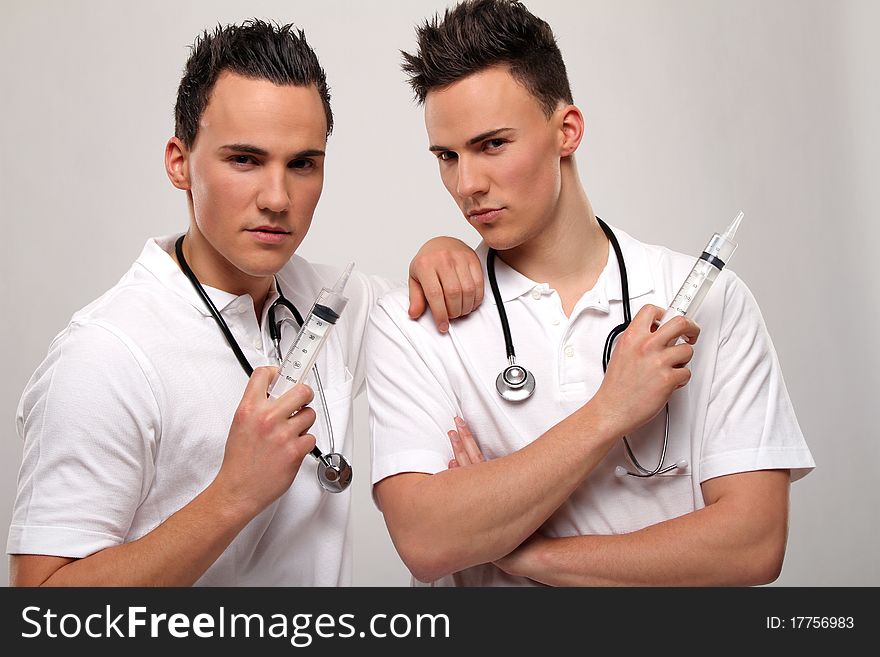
(244, 148)
(312, 152)
(255, 150)
(474, 140)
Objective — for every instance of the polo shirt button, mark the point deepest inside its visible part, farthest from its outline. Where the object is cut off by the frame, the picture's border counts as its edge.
(258, 344)
(555, 322)
(569, 351)
(536, 295)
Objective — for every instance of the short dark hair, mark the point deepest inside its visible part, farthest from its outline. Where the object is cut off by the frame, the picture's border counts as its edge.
(477, 34)
(255, 49)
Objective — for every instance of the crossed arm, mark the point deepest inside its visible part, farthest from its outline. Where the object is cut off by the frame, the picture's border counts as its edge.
(490, 511)
(737, 539)
(466, 516)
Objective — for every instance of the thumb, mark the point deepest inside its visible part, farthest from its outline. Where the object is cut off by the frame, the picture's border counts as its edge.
(646, 318)
(258, 385)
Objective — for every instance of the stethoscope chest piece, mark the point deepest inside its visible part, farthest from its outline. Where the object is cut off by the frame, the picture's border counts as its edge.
(515, 383)
(334, 473)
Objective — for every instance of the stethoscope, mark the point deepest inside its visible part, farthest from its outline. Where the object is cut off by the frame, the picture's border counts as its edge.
(515, 383)
(334, 471)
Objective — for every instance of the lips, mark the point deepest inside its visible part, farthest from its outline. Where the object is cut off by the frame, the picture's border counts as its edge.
(269, 234)
(484, 215)
(268, 229)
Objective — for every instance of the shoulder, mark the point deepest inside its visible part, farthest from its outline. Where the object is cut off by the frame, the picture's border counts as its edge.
(92, 369)
(392, 309)
(390, 324)
(396, 302)
(110, 339)
(142, 293)
(666, 264)
(124, 303)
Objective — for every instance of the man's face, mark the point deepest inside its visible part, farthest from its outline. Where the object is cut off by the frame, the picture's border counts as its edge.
(498, 154)
(256, 171)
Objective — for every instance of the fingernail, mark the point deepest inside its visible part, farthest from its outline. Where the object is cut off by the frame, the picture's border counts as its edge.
(453, 436)
(459, 421)
(444, 327)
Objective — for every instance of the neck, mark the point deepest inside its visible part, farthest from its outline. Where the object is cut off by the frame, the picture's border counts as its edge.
(571, 251)
(213, 270)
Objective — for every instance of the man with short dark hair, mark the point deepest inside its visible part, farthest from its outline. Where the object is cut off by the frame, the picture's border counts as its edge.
(539, 485)
(152, 454)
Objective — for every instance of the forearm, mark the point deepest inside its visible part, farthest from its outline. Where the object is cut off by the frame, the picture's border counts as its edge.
(176, 553)
(475, 514)
(728, 543)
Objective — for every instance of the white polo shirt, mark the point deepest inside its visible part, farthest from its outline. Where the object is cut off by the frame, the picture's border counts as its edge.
(734, 415)
(126, 421)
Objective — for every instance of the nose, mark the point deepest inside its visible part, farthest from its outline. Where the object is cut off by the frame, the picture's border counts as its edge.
(472, 180)
(273, 194)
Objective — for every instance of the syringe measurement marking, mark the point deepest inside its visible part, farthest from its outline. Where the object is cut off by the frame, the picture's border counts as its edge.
(297, 365)
(694, 278)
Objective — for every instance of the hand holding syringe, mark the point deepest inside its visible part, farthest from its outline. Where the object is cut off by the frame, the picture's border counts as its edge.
(336, 473)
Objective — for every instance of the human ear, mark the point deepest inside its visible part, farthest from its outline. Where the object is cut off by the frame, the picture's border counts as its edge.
(571, 129)
(177, 163)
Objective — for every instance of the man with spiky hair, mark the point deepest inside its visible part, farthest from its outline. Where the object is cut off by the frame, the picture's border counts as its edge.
(535, 484)
(152, 454)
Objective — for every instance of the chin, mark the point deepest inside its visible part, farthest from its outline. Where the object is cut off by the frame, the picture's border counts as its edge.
(502, 242)
(263, 267)
(501, 237)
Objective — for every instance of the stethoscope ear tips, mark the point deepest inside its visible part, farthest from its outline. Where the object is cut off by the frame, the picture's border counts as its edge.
(681, 465)
(620, 471)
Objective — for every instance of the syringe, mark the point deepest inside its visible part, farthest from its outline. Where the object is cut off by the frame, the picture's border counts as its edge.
(312, 336)
(334, 471)
(710, 263)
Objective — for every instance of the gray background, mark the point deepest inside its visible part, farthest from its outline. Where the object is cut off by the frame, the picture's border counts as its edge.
(695, 110)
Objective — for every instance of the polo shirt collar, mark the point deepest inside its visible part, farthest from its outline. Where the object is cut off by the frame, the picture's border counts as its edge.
(156, 259)
(512, 284)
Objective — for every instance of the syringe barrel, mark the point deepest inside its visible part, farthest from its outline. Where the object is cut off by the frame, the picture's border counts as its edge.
(704, 272)
(311, 337)
(695, 288)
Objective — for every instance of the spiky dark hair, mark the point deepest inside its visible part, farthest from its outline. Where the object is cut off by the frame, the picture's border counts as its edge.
(255, 49)
(477, 34)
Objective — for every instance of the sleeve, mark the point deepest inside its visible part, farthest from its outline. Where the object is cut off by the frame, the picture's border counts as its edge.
(90, 421)
(409, 396)
(750, 422)
(363, 291)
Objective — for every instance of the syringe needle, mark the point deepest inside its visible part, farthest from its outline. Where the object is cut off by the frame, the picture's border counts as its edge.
(731, 229)
(340, 284)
